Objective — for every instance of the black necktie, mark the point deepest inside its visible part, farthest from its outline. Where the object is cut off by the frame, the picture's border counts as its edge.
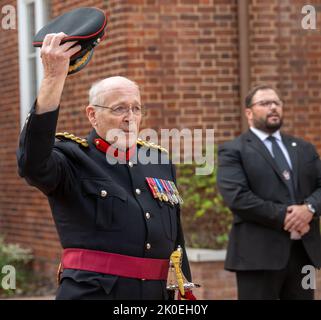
(283, 165)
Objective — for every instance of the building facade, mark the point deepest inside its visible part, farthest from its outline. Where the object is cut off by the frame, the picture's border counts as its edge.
(193, 60)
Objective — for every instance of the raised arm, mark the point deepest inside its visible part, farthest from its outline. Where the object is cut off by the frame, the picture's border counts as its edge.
(55, 60)
(38, 163)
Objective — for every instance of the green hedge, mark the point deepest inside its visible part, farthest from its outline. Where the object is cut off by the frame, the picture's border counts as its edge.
(206, 219)
(20, 259)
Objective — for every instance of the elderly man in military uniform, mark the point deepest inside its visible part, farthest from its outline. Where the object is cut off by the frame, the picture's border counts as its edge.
(119, 222)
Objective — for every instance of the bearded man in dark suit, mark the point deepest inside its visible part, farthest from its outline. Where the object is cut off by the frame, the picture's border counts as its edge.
(272, 183)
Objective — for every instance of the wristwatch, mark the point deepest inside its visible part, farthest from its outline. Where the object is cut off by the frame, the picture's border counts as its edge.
(310, 207)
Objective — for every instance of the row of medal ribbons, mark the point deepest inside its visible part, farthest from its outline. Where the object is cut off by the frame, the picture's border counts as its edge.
(164, 190)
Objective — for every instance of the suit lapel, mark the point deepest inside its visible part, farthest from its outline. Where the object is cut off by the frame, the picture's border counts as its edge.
(259, 146)
(291, 146)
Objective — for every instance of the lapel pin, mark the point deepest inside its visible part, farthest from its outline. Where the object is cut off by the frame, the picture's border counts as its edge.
(286, 175)
(293, 144)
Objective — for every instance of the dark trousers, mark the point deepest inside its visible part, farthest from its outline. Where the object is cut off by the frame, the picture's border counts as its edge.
(285, 284)
(85, 285)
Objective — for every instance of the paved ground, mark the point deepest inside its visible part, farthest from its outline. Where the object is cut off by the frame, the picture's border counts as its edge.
(32, 298)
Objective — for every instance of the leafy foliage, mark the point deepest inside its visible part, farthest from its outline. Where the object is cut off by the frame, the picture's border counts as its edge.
(19, 258)
(206, 219)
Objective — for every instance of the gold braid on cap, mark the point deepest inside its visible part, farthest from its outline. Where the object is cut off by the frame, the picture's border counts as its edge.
(80, 62)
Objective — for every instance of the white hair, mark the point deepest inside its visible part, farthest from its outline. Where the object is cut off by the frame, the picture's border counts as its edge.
(99, 88)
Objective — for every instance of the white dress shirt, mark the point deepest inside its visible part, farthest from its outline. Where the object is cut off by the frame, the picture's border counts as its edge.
(263, 136)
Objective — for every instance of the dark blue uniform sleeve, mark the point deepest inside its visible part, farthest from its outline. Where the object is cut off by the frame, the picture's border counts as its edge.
(38, 163)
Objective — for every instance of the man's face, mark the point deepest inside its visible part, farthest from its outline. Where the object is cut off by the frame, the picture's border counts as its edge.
(120, 129)
(266, 112)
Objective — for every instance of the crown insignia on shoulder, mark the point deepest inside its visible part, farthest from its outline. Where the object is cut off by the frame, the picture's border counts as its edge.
(69, 136)
(153, 145)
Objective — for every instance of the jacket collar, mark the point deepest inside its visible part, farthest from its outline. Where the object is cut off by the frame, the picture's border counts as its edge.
(109, 149)
(290, 144)
(264, 135)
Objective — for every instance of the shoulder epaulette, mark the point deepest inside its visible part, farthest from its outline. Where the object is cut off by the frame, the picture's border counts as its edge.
(69, 136)
(148, 144)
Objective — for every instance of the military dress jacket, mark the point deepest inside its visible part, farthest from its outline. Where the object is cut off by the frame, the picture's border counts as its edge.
(101, 206)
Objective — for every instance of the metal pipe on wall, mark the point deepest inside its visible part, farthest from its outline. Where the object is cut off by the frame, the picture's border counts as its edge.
(244, 56)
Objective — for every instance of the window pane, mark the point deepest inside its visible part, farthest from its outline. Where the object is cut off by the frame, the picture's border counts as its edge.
(31, 25)
(32, 79)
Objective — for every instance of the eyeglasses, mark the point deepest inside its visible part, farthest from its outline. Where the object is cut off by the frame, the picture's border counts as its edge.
(121, 110)
(268, 103)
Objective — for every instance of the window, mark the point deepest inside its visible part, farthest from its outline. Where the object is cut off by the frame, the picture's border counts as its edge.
(33, 14)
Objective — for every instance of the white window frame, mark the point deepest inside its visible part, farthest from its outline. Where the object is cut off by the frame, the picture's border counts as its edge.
(41, 18)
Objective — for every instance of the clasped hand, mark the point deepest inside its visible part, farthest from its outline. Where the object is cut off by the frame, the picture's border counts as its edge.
(297, 219)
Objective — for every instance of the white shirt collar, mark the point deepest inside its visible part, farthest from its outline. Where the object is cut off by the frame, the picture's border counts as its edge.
(263, 135)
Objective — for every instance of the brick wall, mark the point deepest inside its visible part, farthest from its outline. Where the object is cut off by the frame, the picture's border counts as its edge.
(24, 214)
(184, 55)
(287, 56)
